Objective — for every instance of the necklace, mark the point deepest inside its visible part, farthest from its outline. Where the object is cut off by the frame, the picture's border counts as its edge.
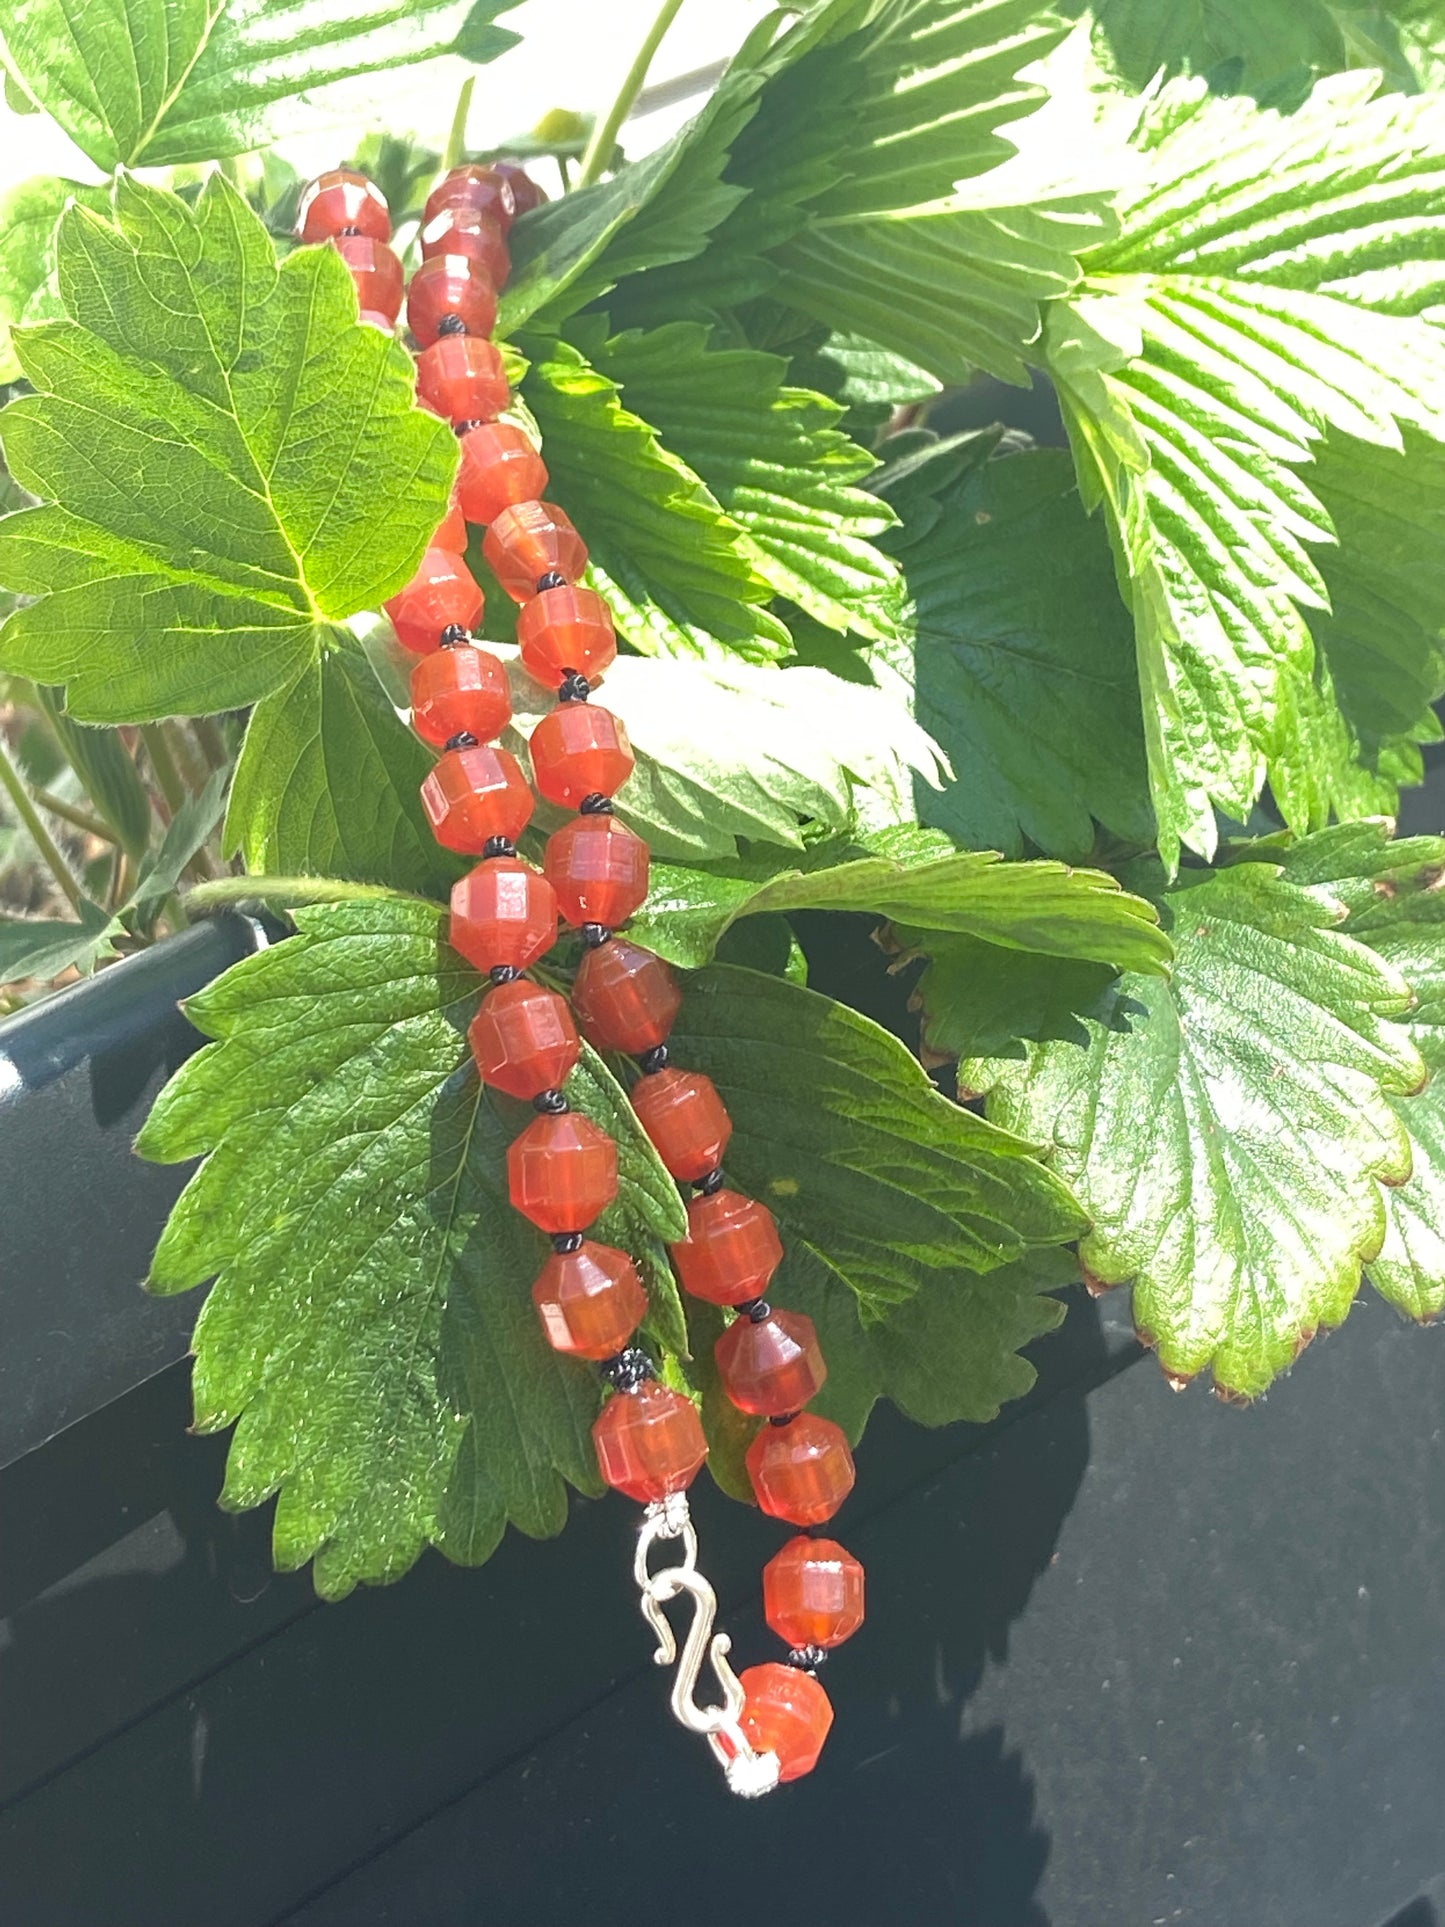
(772, 1719)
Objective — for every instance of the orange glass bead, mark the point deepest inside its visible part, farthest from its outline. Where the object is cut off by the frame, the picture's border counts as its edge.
(376, 272)
(785, 1711)
(486, 189)
(499, 467)
(473, 794)
(462, 378)
(525, 192)
(451, 532)
(442, 594)
(459, 691)
(590, 1300)
(339, 200)
(561, 1172)
(529, 540)
(732, 1246)
(450, 284)
(466, 230)
(802, 1471)
(565, 629)
(523, 1039)
(649, 1442)
(772, 1366)
(503, 913)
(685, 1118)
(383, 323)
(598, 867)
(625, 997)
(813, 1593)
(579, 750)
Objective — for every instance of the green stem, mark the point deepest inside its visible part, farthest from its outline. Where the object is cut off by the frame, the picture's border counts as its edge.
(457, 139)
(187, 758)
(77, 818)
(284, 890)
(212, 742)
(164, 765)
(604, 134)
(11, 780)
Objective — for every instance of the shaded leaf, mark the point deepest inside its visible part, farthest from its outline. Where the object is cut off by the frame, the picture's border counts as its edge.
(41, 947)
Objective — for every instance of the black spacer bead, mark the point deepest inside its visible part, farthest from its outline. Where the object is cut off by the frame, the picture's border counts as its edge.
(783, 1418)
(451, 324)
(757, 1309)
(504, 973)
(807, 1659)
(628, 1369)
(466, 427)
(347, 230)
(594, 935)
(463, 739)
(553, 579)
(497, 845)
(565, 1241)
(551, 1103)
(652, 1061)
(574, 688)
(454, 635)
(596, 804)
(713, 1181)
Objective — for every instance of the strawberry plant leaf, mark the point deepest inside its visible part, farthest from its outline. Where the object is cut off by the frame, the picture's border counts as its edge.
(29, 215)
(41, 947)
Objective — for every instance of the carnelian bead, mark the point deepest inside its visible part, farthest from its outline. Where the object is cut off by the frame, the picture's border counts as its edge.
(731, 1250)
(525, 192)
(383, 323)
(770, 1366)
(685, 1118)
(499, 467)
(465, 230)
(813, 1592)
(450, 284)
(376, 270)
(590, 1300)
(460, 691)
(598, 867)
(578, 751)
(486, 189)
(565, 629)
(451, 532)
(462, 378)
(561, 1172)
(649, 1442)
(625, 997)
(523, 1039)
(441, 595)
(503, 913)
(474, 793)
(802, 1471)
(529, 540)
(339, 200)
(785, 1711)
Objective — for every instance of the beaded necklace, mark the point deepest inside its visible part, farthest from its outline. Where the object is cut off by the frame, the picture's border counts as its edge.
(562, 1169)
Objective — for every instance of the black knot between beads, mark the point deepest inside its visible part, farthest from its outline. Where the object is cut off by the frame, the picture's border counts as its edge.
(348, 230)
(504, 973)
(757, 1309)
(596, 804)
(807, 1659)
(652, 1061)
(783, 1418)
(463, 739)
(627, 1370)
(466, 427)
(551, 1103)
(454, 635)
(565, 1241)
(553, 579)
(710, 1182)
(573, 688)
(451, 324)
(594, 935)
(497, 845)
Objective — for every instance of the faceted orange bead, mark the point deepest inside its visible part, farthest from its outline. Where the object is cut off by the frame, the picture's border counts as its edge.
(466, 230)
(523, 1039)
(813, 1592)
(625, 997)
(463, 379)
(376, 272)
(451, 532)
(590, 1300)
(525, 192)
(561, 1172)
(732, 1246)
(476, 793)
(450, 284)
(383, 323)
(649, 1442)
(486, 189)
(685, 1118)
(339, 200)
(443, 592)
(459, 691)
(566, 629)
(529, 540)
(802, 1471)
(499, 467)
(503, 912)
(785, 1711)
(579, 750)
(598, 867)
(773, 1366)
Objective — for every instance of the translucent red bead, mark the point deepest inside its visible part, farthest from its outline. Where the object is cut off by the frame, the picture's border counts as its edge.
(626, 998)
(813, 1593)
(566, 629)
(503, 913)
(465, 230)
(685, 1118)
(598, 867)
(450, 284)
(525, 192)
(376, 270)
(579, 750)
(649, 1442)
(590, 1300)
(463, 379)
(474, 794)
(339, 200)
(486, 190)
(443, 592)
(785, 1711)
(451, 533)
(801, 1472)
(528, 541)
(523, 1039)
(562, 1172)
(459, 691)
(731, 1250)
(499, 467)
(772, 1366)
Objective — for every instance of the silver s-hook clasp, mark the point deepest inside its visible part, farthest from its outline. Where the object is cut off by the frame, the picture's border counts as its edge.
(749, 1772)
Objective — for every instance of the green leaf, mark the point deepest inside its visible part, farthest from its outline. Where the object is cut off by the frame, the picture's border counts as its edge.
(28, 292)
(866, 1166)
(229, 462)
(164, 81)
(188, 832)
(1228, 1132)
(109, 775)
(42, 947)
(371, 1333)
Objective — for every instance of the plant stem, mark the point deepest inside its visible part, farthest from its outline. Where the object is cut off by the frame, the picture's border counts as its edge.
(457, 139)
(187, 758)
(212, 742)
(164, 765)
(604, 134)
(14, 785)
(78, 819)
